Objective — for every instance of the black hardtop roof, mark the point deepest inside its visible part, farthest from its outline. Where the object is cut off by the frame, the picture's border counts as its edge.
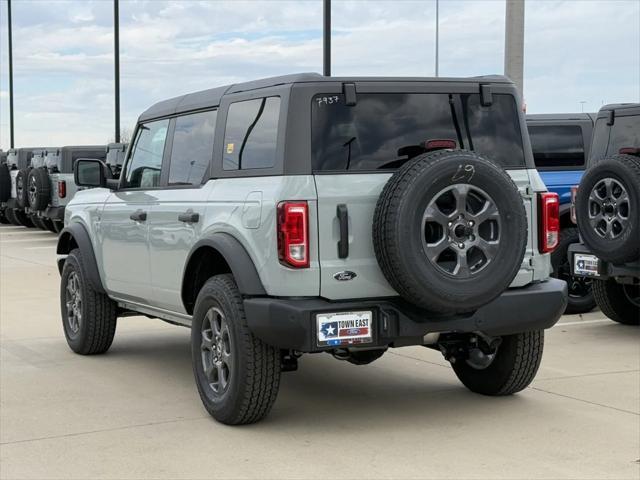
(560, 116)
(212, 97)
(619, 106)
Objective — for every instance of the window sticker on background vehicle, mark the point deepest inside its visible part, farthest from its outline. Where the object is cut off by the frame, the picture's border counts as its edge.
(230, 148)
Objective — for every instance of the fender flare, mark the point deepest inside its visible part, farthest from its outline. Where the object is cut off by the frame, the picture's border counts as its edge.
(77, 233)
(239, 261)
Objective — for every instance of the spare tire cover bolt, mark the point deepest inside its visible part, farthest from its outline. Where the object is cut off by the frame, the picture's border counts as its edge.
(461, 245)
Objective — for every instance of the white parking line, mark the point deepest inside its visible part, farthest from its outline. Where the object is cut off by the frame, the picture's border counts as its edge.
(40, 248)
(26, 240)
(581, 322)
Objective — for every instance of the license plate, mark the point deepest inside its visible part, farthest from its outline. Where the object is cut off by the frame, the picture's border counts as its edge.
(586, 265)
(344, 328)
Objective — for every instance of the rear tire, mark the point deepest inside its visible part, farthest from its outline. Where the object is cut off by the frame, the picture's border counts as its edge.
(11, 216)
(514, 367)
(23, 219)
(619, 302)
(3, 219)
(237, 374)
(580, 299)
(88, 316)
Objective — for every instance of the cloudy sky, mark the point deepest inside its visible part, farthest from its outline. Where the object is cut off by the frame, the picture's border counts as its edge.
(575, 51)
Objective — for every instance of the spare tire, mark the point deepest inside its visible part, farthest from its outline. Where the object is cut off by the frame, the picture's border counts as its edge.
(22, 190)
(608, 208)
(450, 231)
(39, 188)
(5, 183)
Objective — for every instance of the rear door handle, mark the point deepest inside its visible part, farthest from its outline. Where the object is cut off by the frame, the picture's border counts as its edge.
(343, 220)
(138, 216)
(189, 217)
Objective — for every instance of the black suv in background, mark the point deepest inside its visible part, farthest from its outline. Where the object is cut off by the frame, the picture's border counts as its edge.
(607, 210)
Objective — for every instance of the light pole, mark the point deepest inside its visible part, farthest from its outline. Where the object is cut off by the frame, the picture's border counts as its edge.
(10, 45)
(116, 62)
(326, 39)
(582, 102)
(514, 42)
(437, 35)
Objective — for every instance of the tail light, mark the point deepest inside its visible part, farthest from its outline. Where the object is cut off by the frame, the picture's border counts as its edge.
(574, 194)
(549, 211)
(62, 189)
(629, 151)
(431, 145)
(293, 234)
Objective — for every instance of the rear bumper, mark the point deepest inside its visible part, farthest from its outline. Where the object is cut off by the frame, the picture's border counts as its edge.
(54, 213)
(290, 323)
(605, 269)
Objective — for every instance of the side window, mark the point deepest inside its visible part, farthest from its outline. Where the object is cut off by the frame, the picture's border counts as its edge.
(192, 148)
(251, 134)
(143, 169)
(557, 146)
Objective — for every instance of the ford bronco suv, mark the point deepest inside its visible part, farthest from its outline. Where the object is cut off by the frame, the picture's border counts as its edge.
(607, 210)
(560, 144)
(306, 214)
(51, 187)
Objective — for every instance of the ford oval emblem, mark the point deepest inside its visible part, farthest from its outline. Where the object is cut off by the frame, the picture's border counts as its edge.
(344, 276)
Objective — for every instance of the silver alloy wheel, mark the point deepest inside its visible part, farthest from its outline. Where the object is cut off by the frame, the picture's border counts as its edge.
(461, 230)
(33, 188)
(73, 300)
(215, 346)
(609, 208)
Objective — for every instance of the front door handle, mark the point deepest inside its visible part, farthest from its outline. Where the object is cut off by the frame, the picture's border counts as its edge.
(139, 216)
(189, 217)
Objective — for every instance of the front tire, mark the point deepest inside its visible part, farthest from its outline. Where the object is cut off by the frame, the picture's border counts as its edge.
(619, 302)
(88, 316)
(237, 374)
(512, 369)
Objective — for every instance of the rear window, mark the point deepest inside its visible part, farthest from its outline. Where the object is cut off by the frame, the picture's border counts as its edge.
(557, 146)
(383, 130)
(625, 133)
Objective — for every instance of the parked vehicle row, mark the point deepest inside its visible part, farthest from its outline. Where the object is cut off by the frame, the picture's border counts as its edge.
(37, 183)
(305, 214)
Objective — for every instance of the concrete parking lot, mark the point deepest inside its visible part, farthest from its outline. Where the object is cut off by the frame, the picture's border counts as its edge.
(135, 412)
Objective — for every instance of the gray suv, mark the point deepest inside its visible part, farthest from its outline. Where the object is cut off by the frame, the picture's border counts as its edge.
(607, 210)
(307, 214)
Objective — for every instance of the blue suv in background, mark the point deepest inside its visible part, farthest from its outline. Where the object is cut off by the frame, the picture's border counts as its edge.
(560, 144)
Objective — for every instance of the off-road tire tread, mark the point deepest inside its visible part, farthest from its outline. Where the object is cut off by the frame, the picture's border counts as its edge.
(528, 358)
(617, 309)
(100, 311)
(522, 366)
(262, 380)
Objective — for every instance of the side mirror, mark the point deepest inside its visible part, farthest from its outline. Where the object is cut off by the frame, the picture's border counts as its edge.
(90, 172)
